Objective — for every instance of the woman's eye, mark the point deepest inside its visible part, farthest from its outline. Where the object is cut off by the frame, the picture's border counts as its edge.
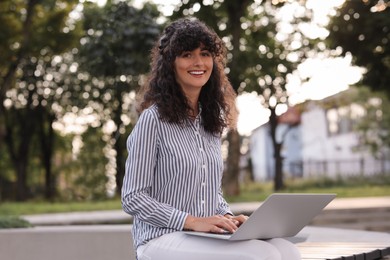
(186, 55)
(206, 54)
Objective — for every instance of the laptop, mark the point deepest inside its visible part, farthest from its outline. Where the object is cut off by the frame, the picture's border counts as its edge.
(280, 215)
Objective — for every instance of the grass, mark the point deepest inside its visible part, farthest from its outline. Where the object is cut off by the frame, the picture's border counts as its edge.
(13, 222)
(256, 193)
(344, 188)
(40, 207)
(353, 187)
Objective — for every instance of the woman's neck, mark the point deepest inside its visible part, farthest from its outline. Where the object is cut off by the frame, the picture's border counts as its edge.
(193, 103)
(194, 109)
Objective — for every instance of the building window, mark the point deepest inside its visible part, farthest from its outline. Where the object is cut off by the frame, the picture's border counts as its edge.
(342, 120)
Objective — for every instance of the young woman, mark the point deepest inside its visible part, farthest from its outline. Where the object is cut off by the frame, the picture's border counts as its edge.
(174, 166)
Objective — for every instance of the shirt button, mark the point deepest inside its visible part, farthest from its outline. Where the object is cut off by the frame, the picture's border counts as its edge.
(202, 201)
(204, 166)
(203, 184)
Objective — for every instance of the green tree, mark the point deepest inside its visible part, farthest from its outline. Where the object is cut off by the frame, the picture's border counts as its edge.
(257, 62)
(43, 30)
(373, 126)
(14, 40)
(115, 54)
(86, 178)
(362, 28)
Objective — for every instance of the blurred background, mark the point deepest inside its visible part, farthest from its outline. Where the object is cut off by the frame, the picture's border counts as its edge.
(312, 78)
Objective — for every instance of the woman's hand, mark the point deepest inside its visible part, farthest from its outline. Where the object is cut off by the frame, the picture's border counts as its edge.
(238, 220)
(214, 224)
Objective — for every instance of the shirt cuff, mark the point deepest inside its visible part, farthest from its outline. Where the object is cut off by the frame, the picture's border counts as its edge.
(224, 211)
(177, 220)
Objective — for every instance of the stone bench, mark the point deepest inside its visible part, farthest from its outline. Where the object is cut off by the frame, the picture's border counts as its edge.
(91, 242)
(114, 242)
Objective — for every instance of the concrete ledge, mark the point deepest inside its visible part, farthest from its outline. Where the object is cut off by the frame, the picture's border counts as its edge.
(90, 242)
(113, 242)
(80, 218)
(55, 239)
(119, 217)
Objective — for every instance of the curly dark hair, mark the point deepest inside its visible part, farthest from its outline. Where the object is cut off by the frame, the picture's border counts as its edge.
(216, 97)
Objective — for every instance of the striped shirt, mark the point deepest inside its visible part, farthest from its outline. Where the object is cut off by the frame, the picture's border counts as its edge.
(172, 170)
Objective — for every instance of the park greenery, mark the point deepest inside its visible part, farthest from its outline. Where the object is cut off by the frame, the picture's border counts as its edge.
(250, 192)
(362, 28)
(69, 71)
(257, 62)
(13, 222)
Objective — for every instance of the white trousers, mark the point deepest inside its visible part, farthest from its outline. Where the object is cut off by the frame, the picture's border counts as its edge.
(179, 246)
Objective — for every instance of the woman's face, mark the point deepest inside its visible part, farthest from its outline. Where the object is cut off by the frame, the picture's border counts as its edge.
(193, 69)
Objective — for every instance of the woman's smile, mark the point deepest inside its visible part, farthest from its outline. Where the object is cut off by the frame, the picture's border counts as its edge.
(197, 72)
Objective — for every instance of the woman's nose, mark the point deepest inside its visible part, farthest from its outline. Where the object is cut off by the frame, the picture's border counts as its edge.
(198, 60)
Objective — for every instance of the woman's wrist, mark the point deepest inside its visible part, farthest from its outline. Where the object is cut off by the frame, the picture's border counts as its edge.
(188, 223)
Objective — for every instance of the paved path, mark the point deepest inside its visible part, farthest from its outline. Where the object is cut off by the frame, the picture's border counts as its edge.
(118, 216)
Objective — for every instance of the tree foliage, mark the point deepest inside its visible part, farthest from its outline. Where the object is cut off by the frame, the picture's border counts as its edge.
(363, 29)
(86, 177)
(28, 89)
(257, 61)
(373, 126)
(33, 28)
(52, 67)
(113, 56)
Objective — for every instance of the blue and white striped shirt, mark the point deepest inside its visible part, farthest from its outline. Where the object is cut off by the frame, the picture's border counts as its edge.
(172, 170)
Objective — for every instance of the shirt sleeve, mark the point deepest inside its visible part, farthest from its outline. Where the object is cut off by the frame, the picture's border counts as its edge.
(223, 207)
(142, 146)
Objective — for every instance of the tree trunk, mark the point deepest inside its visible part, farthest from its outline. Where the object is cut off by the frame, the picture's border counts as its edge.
(278, 178)
(20, 126)
(230, 180)
(235, 10)
(46, 137)
(120, 163)
(19, 151)
(20, 166)
(277, 147)
(119, 143)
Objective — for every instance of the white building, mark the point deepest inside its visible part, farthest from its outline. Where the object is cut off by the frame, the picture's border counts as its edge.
(323, 144)
(261, 148)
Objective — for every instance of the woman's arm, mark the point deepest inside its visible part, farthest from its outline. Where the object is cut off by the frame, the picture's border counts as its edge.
(137, 183)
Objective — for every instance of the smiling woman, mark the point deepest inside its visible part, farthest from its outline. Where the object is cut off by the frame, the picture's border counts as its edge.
(174, 167)
(188, 78)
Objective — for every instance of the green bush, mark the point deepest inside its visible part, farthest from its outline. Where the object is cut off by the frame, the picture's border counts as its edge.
(13, 222)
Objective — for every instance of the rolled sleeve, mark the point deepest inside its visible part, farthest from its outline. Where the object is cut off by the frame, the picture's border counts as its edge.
(138, 180)
(223, 207)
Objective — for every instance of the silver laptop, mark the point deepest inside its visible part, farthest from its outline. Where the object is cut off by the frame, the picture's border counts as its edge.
(280, 215)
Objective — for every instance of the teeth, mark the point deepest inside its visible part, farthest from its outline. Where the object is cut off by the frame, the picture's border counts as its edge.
(197, 72)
